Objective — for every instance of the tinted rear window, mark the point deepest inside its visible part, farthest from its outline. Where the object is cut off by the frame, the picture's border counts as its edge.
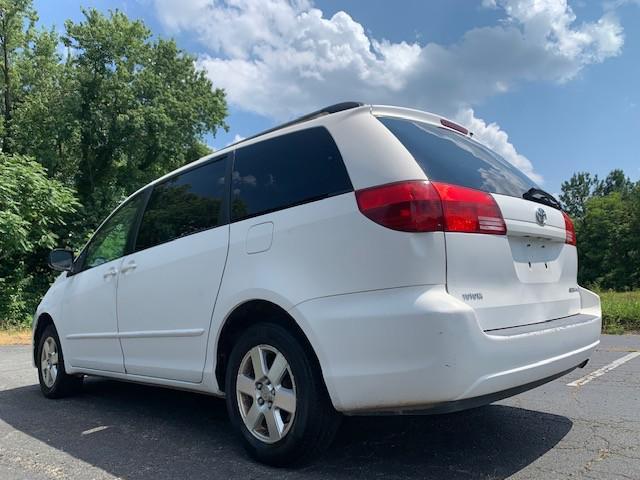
(449, 157)
(296, 168)
(184, 204)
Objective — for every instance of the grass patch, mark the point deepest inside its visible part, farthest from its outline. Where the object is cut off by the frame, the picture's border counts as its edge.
(620, 312)
(15, 336)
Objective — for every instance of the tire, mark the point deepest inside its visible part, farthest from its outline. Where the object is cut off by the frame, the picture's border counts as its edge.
(55, 382)
(301, 435)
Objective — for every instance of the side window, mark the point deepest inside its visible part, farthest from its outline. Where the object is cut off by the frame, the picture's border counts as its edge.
(184, 204)
(110, 242)
(284, 171)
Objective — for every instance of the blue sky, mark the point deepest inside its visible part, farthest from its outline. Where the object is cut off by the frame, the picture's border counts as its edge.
(550, 85)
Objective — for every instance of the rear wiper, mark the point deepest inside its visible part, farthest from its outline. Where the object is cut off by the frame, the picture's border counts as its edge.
(540, 196)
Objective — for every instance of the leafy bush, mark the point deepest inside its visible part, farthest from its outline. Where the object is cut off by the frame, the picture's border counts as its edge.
(32, 208)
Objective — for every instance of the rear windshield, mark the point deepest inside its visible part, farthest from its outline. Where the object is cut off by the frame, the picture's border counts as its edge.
(449, 157)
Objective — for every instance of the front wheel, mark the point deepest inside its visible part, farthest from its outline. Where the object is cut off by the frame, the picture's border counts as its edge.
(276, 397)
(55, 382)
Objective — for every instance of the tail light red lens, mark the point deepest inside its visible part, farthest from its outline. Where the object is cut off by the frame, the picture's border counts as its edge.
(412, 206)
(422, 206)
(570, 238)
(468, 210)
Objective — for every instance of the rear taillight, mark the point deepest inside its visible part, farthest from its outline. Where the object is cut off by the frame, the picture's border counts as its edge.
(468, 210)
(422, 206)
(412, 206)
(570, 237)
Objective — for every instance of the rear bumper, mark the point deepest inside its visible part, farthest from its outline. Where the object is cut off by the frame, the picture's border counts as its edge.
(418, 348)
(466, 403)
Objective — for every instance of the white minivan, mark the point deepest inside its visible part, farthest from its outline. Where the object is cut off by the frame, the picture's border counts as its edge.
(361, 259)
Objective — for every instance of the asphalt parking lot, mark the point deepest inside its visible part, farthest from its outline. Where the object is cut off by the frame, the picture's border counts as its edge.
(118, 430)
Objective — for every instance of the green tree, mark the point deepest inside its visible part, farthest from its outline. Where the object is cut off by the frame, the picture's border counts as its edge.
(607, 244)
(17, 19)
(140, 107)
(607, 219)
(576, 191)
(616, 181)
(44, 121)
(634, 254)
(32, 206)
(114, 110)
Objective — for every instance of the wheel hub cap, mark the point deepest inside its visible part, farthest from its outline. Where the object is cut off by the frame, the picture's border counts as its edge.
(49, 361)
(266, 393)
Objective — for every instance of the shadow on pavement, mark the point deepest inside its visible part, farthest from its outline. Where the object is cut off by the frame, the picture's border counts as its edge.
(157, 433)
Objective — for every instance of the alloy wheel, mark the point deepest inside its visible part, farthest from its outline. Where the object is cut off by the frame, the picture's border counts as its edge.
(266, 393)
(49, 361)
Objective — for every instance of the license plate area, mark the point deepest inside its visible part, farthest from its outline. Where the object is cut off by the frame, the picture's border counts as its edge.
(536, 260)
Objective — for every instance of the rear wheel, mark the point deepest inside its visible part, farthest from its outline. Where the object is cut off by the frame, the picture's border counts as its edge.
(276, 397)
(54, 380)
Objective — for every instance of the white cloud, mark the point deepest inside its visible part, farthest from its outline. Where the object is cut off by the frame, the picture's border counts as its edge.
(613, 4)
(497, 139)
(283, 58)
(550, 23)
(236, 138)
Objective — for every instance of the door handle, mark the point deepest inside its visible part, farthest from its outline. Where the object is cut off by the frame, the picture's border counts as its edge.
(112, 272)
(128, 267)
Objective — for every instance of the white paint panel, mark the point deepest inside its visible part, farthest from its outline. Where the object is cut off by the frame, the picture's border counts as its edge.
(259, 237)
(89, 311)
(328, 248)
(165, 305)
(372, 154)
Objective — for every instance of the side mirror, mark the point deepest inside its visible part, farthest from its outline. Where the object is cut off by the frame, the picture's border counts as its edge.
(61, 260)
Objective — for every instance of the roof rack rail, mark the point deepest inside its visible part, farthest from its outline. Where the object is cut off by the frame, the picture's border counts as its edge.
(338, 107)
